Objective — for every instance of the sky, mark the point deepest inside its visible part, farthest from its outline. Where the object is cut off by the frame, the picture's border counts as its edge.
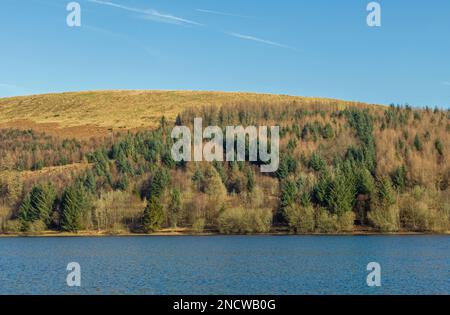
(317, 48)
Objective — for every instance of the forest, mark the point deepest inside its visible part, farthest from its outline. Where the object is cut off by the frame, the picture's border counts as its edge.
(343, 169)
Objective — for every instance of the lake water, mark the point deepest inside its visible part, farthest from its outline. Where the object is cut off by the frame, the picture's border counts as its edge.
(226, 265)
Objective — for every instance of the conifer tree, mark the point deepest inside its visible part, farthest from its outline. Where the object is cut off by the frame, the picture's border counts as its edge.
(75, 205)
(153, 215)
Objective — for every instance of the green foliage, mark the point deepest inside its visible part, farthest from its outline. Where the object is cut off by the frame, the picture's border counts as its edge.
(385, 218)
(365, 182)
(300, 219)
(175, 206)
(38, 204)
(322, 188)
(418, 143)
(153, 215)
(327, 132)
(122, 183)
(326, 222)
(159, 182)
(317, 163)
(399, 178)
(439, 147)
(243, 221)
(288, 193)
(250, 180)
(220, 169)
(283, 169)
(199, 225)
(386, 193)
(341, 194)
(76, 204)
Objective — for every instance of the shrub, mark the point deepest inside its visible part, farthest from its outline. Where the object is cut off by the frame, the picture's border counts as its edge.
(346, 221)
(386, 218)
(199, 225)
(423, 210)
(300, 219)
(326, 222)
(12, 226)
(241, 221)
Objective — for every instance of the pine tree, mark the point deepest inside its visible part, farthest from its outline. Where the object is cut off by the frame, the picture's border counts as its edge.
(418, 143)
(439, 147)
(365, 182)
(399, 178)
(153, 215)
(175, 206)
(289, 193)
(159, 182)
(327, 132)
(38, 204)
(341, 195)
(283, 169)
(317, 163)
(75, 205)
(386, 193)
(250, 180)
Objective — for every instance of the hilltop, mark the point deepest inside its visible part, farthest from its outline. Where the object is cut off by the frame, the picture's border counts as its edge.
(90, 113)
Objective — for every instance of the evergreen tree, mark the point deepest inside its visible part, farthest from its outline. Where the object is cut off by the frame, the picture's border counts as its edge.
(175, 206)
(399, 178)
(317, 163)
(159, 182)
(197, 178)
(219, 168)
(250, 179)
(153, 215)
(283, 169)
(327, 132)
(365, 182)
(38, 204)
(386, 194)
(439, 147)
(288, 193)
(322, 188)
(418, 143)
(75, 205)
(341, 195)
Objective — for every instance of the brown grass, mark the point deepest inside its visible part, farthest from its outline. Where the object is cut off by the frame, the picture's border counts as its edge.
(86, 114)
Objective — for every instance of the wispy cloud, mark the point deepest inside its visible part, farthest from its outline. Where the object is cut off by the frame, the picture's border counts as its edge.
(259, 40)
(150, 14)
(446, 83)
(222, 13)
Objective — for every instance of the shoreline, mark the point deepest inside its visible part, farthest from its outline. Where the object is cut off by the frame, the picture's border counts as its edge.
(187, 232)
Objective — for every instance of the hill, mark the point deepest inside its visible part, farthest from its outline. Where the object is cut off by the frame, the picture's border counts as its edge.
(86, 114)
(101, 161)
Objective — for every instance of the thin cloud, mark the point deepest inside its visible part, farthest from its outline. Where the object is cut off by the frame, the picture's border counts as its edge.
(259, 40)
(446, 83)
(149, 14)
(222, 13)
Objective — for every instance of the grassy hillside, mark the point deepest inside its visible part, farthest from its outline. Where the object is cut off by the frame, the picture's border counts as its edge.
(85, 114)
(101, 161)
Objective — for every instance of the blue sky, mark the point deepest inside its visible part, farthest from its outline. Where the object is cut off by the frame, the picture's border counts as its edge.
(311, 48)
